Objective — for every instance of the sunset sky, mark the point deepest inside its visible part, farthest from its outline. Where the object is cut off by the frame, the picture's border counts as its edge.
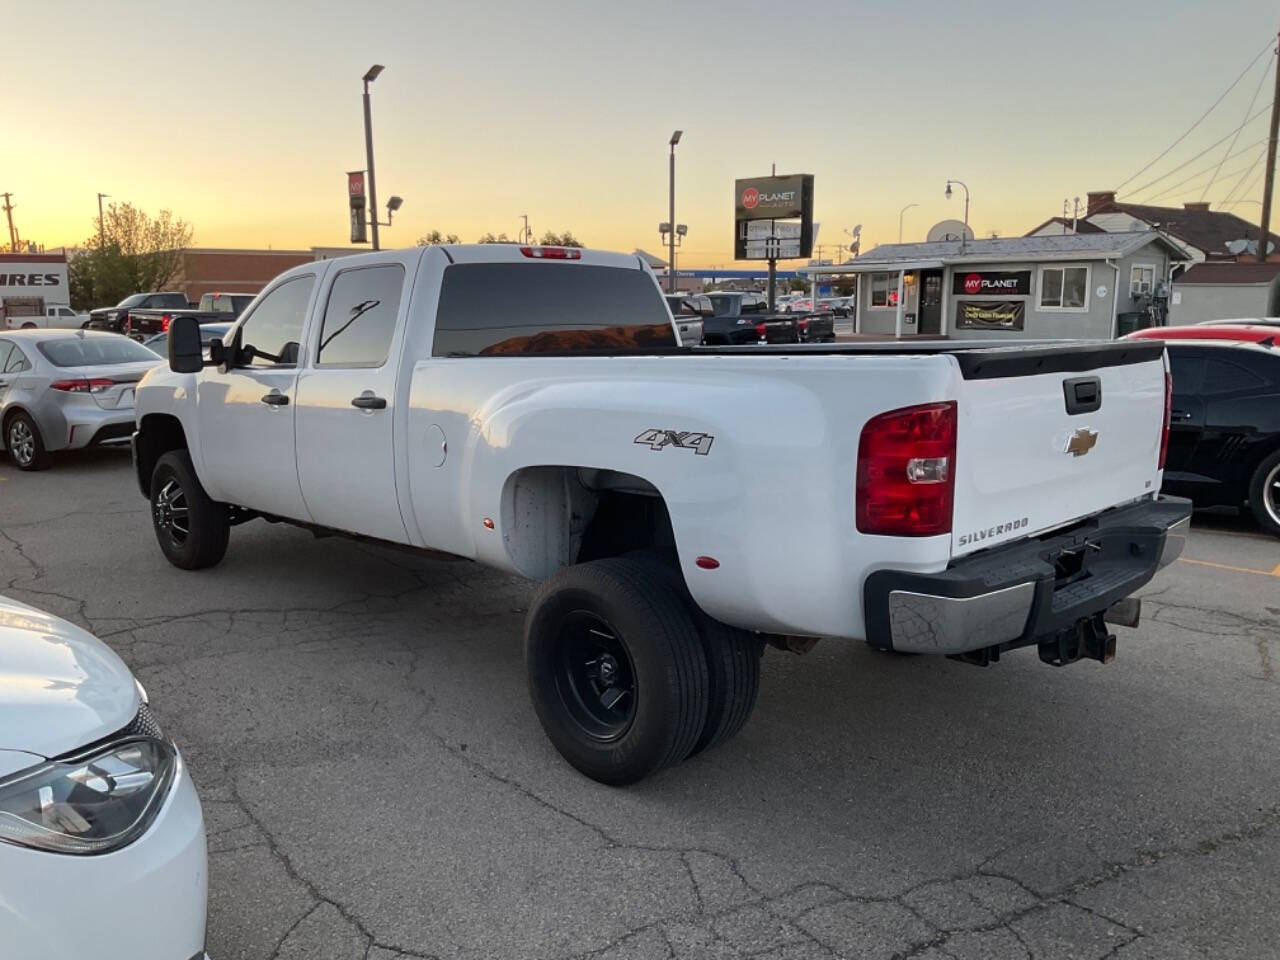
(243, 117)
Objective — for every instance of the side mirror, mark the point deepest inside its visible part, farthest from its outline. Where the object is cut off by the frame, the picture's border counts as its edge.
(186, 353)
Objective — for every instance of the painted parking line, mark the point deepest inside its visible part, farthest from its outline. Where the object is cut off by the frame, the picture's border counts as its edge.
(1226, 566)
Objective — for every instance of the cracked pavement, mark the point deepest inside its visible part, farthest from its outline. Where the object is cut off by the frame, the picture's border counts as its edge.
(376, 785)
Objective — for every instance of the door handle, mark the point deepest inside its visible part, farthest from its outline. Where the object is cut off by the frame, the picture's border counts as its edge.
(276, 399)
(367, 401)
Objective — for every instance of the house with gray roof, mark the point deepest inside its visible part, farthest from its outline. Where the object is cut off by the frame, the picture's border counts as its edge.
(1064, 286)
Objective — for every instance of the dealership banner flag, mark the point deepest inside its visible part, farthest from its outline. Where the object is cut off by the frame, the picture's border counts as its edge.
(990, 314)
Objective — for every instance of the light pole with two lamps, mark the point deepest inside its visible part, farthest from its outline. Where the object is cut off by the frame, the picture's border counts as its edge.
(395, 202)
(673, 230)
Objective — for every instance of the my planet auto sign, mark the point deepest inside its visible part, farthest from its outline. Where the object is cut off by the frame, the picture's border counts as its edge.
(985, 283)
(770, 198)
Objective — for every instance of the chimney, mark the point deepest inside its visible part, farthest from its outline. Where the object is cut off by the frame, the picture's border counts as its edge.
(1196, 207)
(1100, 201)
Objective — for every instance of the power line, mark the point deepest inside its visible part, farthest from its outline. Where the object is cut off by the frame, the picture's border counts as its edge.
(1235, 191)
(1200, 173)
(1185, 163)
(1199, 119)
(1252, 100)
(1164, 192)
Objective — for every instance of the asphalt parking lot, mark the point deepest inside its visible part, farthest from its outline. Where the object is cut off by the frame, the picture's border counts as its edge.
(376, 784)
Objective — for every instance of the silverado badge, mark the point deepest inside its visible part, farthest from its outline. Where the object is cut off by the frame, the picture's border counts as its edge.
(1081, 442)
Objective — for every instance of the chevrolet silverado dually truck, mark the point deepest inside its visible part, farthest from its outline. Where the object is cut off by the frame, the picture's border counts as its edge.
(530, 408)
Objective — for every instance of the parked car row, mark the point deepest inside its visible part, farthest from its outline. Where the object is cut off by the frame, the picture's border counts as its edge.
(737, 319)
(145, 314)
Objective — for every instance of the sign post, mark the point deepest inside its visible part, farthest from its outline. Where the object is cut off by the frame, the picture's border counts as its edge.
(355, 190)
(766, 211)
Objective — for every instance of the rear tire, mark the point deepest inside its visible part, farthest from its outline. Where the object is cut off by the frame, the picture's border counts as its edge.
(192, 529)
(1264, 493)
(25, 445)
(616, 670)
(733, 680)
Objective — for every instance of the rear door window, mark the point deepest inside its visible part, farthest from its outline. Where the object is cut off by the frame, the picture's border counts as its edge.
(17, 362)
(1187, 370)
(360, 317)
(5, 348)
(1223, 376)
(497, 309)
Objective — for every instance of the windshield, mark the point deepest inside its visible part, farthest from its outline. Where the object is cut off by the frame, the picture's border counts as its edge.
(132, 301)
(94, 351)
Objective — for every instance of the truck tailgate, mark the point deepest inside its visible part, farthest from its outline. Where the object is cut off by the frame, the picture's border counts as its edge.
(1026, 463)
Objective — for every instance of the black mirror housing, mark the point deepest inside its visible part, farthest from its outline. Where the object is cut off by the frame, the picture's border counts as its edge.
(186, 353)
(217, 352)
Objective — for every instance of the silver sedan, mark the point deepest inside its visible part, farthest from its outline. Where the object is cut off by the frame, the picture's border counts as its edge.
(63, 389)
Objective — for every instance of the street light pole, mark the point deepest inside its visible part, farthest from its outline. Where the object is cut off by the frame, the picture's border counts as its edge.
(102, 235)
(370, 75)
(671, 196)
(900, 213)
(964, 234)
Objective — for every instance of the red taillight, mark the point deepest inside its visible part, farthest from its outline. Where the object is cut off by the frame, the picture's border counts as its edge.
(82, 386)
(128, 324)
(165, 320)
(762, 330)
(1168, 415)
(803, 324)
(906, 471)
(552, 253)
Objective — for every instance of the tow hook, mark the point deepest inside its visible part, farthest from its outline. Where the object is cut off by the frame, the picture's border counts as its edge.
(1089, 638)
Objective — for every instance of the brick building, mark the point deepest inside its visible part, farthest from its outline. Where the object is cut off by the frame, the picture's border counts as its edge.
(209, 270)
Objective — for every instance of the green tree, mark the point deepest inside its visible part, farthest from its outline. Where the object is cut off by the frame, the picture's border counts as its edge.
(566, 239)
(135, 253)
(435, 237)
(500, 238)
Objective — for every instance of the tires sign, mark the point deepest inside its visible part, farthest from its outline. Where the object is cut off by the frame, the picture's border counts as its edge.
(355, 190)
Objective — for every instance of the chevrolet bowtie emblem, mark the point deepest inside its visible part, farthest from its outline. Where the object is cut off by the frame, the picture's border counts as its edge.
(1081, 442)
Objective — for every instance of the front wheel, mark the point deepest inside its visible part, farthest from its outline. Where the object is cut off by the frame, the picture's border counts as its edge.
(616, 669)
(1264, 493)
(192, 529)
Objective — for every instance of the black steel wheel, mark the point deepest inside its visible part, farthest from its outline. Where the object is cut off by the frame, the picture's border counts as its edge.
(616, 670)
(192, 529)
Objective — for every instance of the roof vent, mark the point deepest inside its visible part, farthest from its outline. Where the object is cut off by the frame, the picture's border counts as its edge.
(1196, 207)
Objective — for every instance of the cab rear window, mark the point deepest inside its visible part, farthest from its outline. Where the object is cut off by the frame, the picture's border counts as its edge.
(505, 309)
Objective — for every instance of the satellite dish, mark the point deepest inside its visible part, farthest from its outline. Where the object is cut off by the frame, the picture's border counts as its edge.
(948, 230)
(1237, 246)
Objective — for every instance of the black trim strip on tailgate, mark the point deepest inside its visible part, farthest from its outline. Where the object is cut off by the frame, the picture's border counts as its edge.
(1068, 358)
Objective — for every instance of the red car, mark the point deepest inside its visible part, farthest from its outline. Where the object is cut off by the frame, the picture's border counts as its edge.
(1241, 332)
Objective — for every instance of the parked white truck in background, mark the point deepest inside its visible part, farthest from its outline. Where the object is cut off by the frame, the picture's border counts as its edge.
(529, 408)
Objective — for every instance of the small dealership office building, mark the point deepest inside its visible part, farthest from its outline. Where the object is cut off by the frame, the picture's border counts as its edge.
(1065, 286)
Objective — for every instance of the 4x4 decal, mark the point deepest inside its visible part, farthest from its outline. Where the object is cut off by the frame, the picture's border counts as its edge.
(699, 443)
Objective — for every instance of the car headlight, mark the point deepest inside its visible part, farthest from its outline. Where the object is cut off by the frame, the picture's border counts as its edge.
(95, 802)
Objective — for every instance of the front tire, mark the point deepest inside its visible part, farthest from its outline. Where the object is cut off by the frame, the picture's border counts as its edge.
(25, 445)
(616, 669)
(192, 529)
(1264, 493)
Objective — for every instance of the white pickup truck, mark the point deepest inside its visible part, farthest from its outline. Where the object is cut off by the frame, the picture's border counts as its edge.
(531, 408)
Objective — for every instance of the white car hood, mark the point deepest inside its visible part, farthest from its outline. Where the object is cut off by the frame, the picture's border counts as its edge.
(60, 687)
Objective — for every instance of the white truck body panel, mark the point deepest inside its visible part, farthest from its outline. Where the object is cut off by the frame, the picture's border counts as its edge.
(772, 499)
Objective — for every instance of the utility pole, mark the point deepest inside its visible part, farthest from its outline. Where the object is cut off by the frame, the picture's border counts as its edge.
(1269, 182)
(102, 235)
(525, 236)
(8, 210)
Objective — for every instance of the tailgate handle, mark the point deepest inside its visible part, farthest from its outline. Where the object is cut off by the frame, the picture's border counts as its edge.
(1083, 394)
